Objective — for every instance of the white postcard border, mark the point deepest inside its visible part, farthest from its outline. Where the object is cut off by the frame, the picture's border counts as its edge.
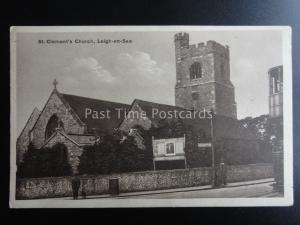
(287, 200)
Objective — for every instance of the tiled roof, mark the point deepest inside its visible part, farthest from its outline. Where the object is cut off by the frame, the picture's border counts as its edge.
(80, 104)
(148, 108)
(224, 127)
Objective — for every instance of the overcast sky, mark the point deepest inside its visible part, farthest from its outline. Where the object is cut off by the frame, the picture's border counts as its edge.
(144, 69)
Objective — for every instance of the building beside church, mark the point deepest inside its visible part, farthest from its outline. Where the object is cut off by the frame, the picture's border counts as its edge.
(276, 122)
(275, 91)
(202, 83)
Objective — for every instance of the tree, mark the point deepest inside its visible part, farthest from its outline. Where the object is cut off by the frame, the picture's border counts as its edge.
(147, 152)
(106, 154)
(130, 157)
(58, 161)
(112, 155)
(168, 128)
(87, 160)
(195, 156)
(28, 166)
(45, 162)
(99, 158)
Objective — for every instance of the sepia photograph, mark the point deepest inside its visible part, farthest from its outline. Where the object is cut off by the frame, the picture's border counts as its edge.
(151, 116)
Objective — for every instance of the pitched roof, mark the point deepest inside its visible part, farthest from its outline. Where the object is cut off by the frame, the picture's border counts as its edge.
(148, 108)
(31, 121)
(224, 127)
(107, 124)
(60, 132)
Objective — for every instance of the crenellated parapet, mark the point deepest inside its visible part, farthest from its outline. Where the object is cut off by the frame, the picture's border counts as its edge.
(204, 48)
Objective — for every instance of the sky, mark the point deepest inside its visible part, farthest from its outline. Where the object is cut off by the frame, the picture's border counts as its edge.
(143, 69)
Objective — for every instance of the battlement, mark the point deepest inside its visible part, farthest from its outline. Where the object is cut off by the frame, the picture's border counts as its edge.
(180, 36)
(209, 45)
(184, 49)
(181, 40)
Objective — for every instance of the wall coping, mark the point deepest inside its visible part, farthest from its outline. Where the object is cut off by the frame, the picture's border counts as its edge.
(138, 172)
(114, 174)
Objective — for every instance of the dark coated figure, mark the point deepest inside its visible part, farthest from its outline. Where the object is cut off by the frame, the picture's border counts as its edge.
(75, 186)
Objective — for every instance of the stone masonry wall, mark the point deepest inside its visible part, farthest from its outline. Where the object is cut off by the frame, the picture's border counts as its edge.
(249, 172)
(225, 102)
(128, 182)
(222, 68)
(55, 106)
(138, 181)
(206, 97)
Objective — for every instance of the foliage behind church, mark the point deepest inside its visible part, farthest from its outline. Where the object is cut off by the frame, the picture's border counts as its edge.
(114, 156)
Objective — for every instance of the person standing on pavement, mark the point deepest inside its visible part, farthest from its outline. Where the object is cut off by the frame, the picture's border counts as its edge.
(75, 186)
(222, 171)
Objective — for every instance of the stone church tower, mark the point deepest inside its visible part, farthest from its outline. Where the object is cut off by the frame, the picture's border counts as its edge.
(203, 77)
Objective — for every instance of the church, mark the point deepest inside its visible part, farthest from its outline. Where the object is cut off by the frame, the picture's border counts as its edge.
(202, 83)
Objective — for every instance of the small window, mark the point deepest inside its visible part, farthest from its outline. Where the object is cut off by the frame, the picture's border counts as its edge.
(222, 70)
(195, 70)
(276, 81)
(30, 135)
(170, 150)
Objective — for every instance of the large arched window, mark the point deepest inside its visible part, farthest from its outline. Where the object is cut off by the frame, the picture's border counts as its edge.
(195, 70)
(52, 125)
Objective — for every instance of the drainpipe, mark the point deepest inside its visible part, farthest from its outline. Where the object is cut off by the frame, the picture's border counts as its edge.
(153, 153)
(213, 180)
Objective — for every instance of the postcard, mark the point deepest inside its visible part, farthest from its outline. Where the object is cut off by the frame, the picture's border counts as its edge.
(151, 116)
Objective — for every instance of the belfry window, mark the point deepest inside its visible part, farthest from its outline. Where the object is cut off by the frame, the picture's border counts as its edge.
(195, 70)
(52, 125)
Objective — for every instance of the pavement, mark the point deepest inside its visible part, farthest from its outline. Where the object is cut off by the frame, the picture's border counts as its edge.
(247, 189)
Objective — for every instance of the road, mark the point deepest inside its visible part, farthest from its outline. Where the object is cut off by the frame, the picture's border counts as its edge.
(243, 191)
